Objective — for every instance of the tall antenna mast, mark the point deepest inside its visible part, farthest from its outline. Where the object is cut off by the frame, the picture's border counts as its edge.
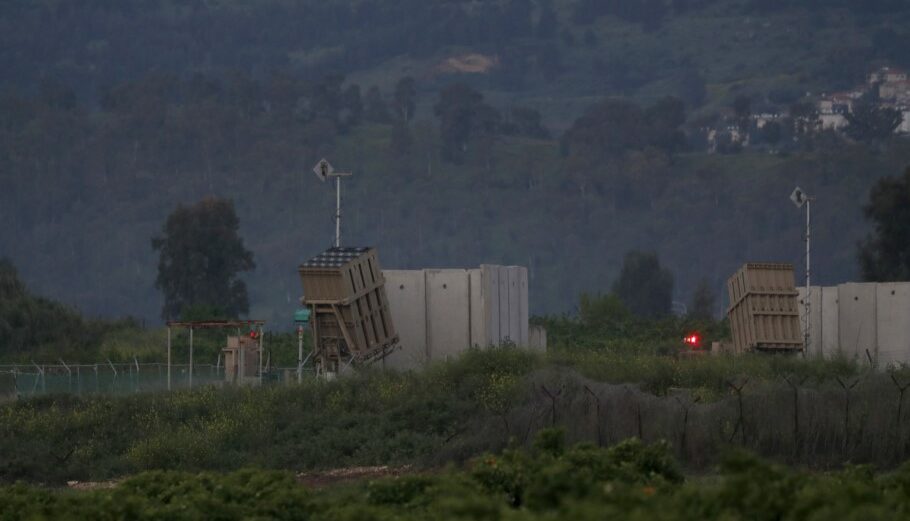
(324, 170)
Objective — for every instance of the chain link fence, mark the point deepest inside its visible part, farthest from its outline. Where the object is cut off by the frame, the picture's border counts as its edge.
(20, 381)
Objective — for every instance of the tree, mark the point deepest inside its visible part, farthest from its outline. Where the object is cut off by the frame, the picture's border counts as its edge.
(613, 127)
(405, 99)
(375, 108)
(665, 119)
(605, 312)
(771, 133)
(885, 254)
(868, 122)
(523, 121)
(644, 286)
(352, 107)
(401, 138)
(742, 107)
(691, 87)
(703, 301)
(462, 116)
(201, 255)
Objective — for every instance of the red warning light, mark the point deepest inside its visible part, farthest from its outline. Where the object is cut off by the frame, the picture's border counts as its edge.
(692, 340)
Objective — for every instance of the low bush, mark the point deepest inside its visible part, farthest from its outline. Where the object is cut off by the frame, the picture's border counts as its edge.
(628, 481)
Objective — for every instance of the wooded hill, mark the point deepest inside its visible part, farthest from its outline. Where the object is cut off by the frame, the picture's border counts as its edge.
(112, 114)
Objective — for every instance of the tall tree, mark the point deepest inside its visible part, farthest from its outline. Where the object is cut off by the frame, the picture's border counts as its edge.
(462, 116)
(868, 122)
(691, 87)
(703, 301)
(885, 254)
(201, 256)
(375, 108)
(405, 99)
(742, 108)
(644, 286)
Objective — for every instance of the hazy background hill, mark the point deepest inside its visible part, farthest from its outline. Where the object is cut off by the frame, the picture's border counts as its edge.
(112, 113)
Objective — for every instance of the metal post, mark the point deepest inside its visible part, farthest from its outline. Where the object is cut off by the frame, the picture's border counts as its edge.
(191, 357)
(114, 370)
(169, 358)
(337, 212)
(300, 354)
(69, 373)
(260, 355)
(807, 334)
(39, 377)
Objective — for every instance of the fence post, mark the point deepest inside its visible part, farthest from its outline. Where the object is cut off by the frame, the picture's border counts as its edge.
(740, 421)
(552, 398)
(69, 373)
(136, 380)
(114, 369)
(795, 384)
(600, 441)
(260, 355)
(39, 377)
(191, 357)
(168, 358)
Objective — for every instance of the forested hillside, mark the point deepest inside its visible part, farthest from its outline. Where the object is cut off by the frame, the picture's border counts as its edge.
(501, 150)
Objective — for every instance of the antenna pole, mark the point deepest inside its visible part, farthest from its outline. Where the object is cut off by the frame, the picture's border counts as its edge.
(807, 334)
(337, 211)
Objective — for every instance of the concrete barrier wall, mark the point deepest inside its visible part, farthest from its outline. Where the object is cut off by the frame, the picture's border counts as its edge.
(490, 306)
(478, 331)
(448, 313)
(406, 291)
(892, 305)
(829, 320)
(854, 318)
(439, 313)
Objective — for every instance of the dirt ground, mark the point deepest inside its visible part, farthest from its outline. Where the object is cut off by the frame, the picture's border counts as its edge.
(313, 479)
(331, 477)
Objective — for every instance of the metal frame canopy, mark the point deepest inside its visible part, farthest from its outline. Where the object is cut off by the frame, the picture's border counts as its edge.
(210, 324)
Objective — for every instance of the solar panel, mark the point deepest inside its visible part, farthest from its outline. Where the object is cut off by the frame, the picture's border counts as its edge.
(335, 257)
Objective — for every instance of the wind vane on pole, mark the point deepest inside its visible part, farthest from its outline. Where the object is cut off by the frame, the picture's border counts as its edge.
(323, 170)
(800, 199)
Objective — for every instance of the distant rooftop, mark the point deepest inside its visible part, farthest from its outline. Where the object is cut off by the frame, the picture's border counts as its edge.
(335, 257)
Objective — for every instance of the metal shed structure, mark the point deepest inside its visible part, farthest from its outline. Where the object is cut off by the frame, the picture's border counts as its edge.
(255, 325)
(345, 290)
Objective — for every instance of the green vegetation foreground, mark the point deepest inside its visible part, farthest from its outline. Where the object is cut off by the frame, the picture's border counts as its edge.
(628, 481)
(814, 413)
